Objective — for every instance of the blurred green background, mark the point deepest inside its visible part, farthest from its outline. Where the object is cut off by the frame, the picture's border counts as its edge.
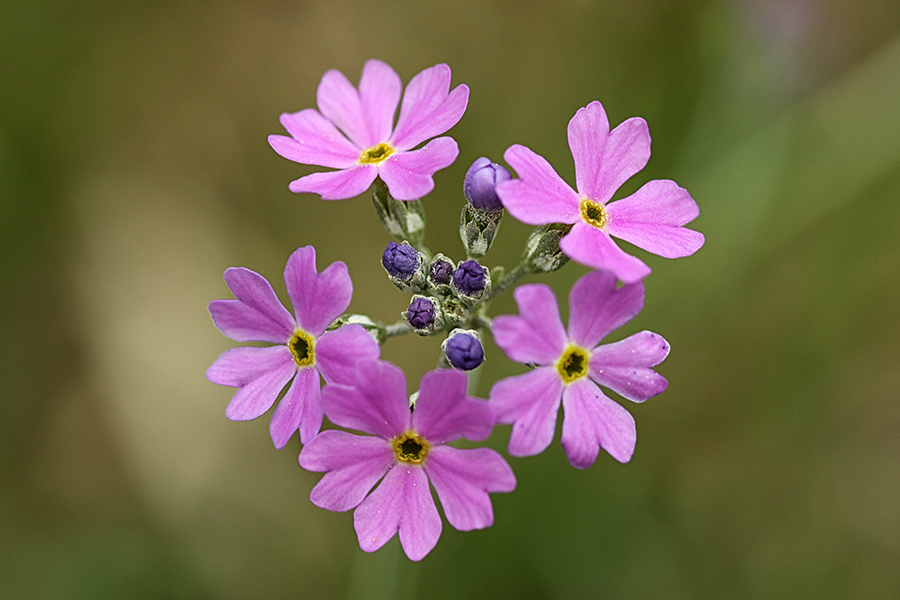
(134, 169)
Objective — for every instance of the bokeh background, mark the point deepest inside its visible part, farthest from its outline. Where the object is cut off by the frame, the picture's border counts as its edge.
(134, 169)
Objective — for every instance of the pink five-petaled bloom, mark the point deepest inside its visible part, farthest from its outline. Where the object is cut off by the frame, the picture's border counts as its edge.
(652, 218)
(304, 348)
(570, 367)
(408, 450)
(353, 131)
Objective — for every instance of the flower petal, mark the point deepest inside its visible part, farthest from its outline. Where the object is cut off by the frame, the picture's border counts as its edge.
(530, 402)
(376, 403)
(428, 109)
(256, 315)
(652, 219)
(593, 421)
(445, 413)
(536, 335)
(624, 366)
(338, 351)
(318, 298)
(539, 196)
(340, 103)
(354, 463)
(409, 175)
(336, 185)
(402, 501)
(587, 132)
(462, 480)
(605, 160)
(596, 307)
(593, 248)
(257, 395)
(240, 366)
(300, 408)
(314, 141)
(379, 93)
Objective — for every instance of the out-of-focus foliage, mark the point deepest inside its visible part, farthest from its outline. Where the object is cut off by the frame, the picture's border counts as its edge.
(134, 169)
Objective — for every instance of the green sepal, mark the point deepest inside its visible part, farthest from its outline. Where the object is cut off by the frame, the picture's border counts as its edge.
(477, 229)
(404, 220)
(374, 328)
(542, 253)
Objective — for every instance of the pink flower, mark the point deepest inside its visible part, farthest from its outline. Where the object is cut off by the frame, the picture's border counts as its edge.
(408, 451)
(304, 351)
(651, 218)
(353, 132)
(570, 367)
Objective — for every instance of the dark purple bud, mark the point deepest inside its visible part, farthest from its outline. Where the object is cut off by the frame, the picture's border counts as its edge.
(401, 260)
(469, 278)
(464, 350)
(424, 315)
(441, 272)
(481, 179)
(420, 314)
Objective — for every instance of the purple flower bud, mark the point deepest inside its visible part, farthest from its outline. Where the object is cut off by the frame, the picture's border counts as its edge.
(401, 260)
(441, 272)
(481, 179)
(464, 350)
(420, 314)
(424, 315)
(469, 278)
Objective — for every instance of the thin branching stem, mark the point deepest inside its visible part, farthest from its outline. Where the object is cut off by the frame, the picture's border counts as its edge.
(395, 329)
(508, 280)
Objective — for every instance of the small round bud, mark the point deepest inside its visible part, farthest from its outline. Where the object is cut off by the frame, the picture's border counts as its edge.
(420, 313)
(401, 260)
(424, 315)
(470, 279)
(463, 349)
(454, 310)
(480, 183)
(441, 271)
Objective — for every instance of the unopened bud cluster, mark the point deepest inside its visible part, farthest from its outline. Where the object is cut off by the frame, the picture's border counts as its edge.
(445, 295)
(453, 296)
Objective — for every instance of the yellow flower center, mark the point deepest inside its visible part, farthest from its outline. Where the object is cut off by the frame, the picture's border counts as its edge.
(410, 447)
(573, 364)
(593, 213)
(301, 346)
(375, 154)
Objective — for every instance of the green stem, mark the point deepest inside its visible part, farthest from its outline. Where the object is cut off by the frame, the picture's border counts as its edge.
(404, 220)
(398, 328)
(481, 322)
(421, 247)
(521, 270)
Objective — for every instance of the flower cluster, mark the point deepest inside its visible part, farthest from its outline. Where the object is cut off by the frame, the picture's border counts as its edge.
(326, 362)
